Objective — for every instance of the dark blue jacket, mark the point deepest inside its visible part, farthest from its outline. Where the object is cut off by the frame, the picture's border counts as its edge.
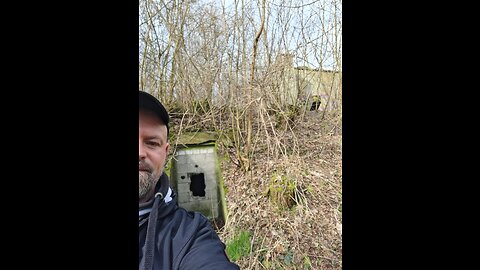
(172, 238)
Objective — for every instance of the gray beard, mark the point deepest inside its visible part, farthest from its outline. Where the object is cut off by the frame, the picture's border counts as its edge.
(146, 182)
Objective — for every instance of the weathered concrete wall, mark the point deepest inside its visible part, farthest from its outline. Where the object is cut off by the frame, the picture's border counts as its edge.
(298, 85)
(192, 161)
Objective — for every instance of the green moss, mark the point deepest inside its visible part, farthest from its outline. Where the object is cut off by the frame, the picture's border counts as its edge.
(282, 191)
(196, 137)
(221, 188)
(239, 246)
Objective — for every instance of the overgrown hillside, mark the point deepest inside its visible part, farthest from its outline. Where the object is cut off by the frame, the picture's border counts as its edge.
(286, 211)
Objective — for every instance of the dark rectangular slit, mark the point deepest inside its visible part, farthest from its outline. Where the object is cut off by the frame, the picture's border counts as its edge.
(197, 185)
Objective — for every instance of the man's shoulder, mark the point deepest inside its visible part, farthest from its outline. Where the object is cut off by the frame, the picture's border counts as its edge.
(186, 217)
(186, 226)
(204, 249)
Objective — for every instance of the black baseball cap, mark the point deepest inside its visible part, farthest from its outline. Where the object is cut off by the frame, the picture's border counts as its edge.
(149, 102)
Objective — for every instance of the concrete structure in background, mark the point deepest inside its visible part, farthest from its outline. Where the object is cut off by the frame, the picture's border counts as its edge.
(311, 87)
(197, 180)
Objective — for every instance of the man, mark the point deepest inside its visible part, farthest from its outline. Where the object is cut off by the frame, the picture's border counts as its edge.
(169, 236)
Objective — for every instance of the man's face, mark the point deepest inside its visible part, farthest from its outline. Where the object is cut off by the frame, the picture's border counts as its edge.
(152, 152)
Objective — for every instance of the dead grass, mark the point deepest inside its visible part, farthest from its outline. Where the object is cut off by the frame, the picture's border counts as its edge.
(306, 234)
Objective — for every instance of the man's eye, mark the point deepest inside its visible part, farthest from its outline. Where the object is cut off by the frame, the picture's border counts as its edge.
(153, 144)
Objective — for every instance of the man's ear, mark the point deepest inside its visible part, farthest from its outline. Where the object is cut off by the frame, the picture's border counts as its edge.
(167, 147)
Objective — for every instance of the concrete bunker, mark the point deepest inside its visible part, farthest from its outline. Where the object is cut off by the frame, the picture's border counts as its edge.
(197, 179)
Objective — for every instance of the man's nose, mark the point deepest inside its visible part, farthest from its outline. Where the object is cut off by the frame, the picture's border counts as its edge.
(141, 151)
